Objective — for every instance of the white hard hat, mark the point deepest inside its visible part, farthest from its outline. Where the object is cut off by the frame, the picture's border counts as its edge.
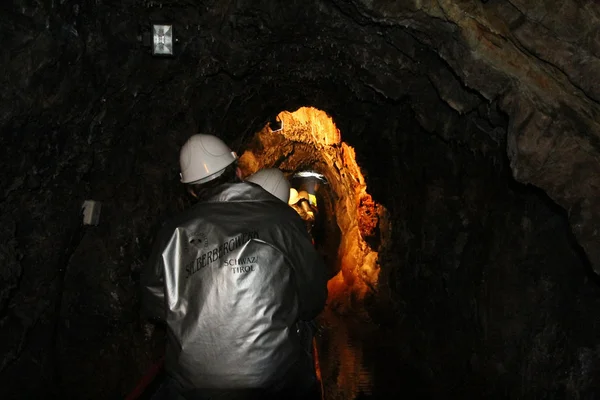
(293, 196)
(204, 158)
(273, 181)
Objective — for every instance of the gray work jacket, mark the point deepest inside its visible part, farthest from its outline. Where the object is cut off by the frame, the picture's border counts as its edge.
(233, 278)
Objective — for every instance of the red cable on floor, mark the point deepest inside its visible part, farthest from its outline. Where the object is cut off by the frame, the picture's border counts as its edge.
(318, 367)
(146, 380)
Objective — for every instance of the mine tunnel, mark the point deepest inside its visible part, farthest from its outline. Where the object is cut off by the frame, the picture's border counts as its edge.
(459, 141)
(348, 230)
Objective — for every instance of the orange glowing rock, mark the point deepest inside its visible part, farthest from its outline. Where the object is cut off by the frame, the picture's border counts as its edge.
(310, 138)
(368, 221)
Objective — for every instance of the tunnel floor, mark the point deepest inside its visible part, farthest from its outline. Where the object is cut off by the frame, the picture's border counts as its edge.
(355, 360)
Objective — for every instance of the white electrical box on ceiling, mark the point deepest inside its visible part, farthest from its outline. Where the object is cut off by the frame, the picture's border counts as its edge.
(162, 40)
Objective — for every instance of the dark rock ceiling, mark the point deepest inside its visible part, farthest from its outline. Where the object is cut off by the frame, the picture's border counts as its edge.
(536, 61)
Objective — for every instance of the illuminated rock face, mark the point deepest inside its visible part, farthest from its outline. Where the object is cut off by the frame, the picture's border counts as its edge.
(310, 140)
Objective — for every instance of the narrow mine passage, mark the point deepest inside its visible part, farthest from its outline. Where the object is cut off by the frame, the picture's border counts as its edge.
(344, 222)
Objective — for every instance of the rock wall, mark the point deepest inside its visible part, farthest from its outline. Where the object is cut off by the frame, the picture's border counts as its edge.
(349, 218)
(482, 283)
(87, 113)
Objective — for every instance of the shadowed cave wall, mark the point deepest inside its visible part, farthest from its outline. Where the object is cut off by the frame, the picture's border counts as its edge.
(455, 109)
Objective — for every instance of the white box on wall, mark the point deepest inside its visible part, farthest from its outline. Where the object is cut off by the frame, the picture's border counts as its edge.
(91, 212)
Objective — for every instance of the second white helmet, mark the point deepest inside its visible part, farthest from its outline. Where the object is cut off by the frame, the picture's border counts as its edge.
(273, 181)
(203, 158)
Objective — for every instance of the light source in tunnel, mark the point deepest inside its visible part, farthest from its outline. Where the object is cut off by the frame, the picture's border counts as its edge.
(311, 174)
(276, 124)
(162, 40)
(310, 181)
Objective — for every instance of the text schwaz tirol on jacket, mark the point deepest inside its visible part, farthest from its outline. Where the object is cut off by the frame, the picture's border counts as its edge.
(231, 277)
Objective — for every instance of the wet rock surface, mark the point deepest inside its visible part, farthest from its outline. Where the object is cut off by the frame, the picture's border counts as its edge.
(445, 102)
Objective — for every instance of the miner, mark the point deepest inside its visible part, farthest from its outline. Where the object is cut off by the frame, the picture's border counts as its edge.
(234, 332)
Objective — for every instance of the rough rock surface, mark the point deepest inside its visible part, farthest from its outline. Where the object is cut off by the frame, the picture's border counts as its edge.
(346, 229)
(486, 290)
(482, 273)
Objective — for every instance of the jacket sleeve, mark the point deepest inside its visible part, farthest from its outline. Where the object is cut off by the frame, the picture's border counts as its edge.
(152, 282)
(310, 273)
